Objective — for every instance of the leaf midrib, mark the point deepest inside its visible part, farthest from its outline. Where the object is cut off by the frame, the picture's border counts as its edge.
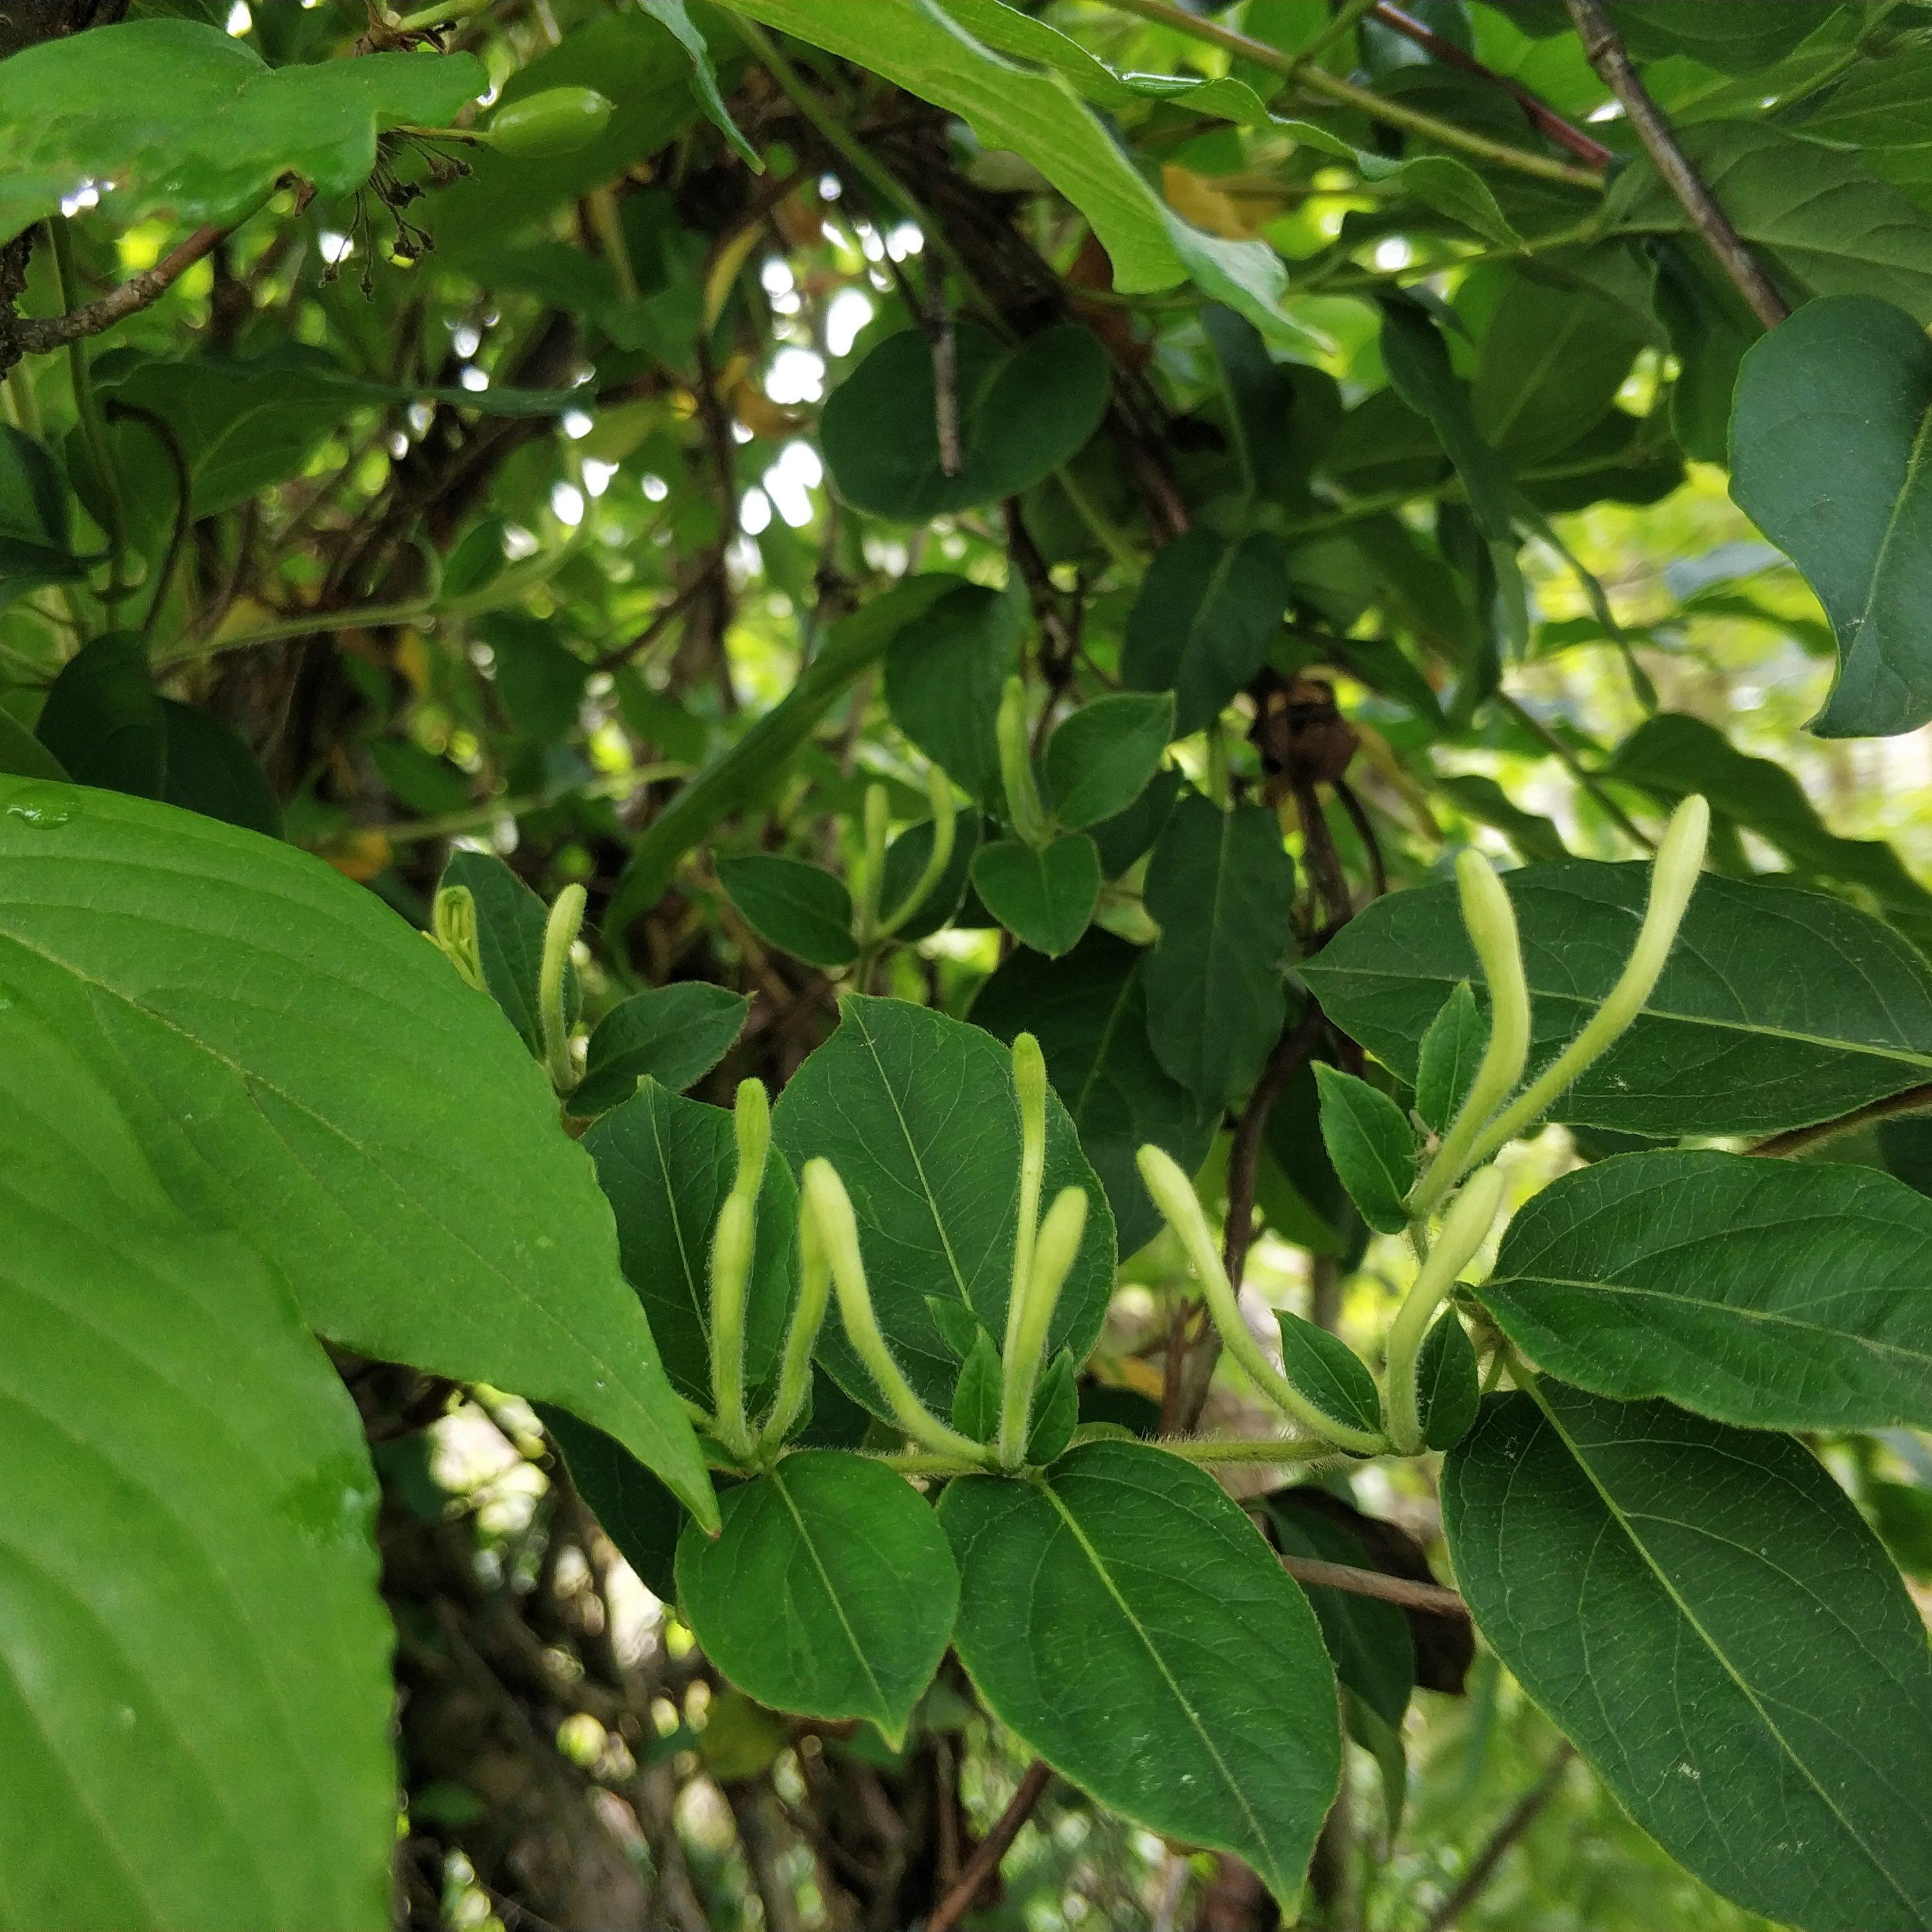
(881, 1705)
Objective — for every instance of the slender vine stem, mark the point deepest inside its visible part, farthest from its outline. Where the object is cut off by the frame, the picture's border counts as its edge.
(93, 428)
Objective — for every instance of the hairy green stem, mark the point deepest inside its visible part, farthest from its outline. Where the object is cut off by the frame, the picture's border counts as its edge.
(939, 795)
(1464, 1228)
(1174, 1195)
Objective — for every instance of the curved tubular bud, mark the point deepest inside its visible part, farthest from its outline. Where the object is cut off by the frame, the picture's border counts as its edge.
(801, 1337)
(1053, 1254)
(1023, 805)
(751, 1123)
(1464, 1228)
(1673, 879)
(1174, 1195)
(830, 1207)
(939, 795)
(1491, 920)
(452, 926)
(731, 1247)
(560, 932)
(1029, 1083)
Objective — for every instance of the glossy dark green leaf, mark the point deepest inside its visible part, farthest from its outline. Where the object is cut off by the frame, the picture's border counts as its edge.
(305, 1070)
(510, 922)
(673, 1034)
(1221, 888)
(1088, 1011)
(1208, 611)
(1777, 1007)
(1548, 367)
(1043, 895)
(1123, 1619)
(831, 1592)
(1451, 1052)
(1371, 1144)
(211, 769)
(802, 910)
(1448, 1384)
(917, 1112)
(944, 673)
(225, 127)
(1705, 1614)
(1020, 413)
(665, 1165)
(1328, 1372)
(1826, 440)
(1100, 758)
(1771, 1294)
(1130, 835)
(103, 719)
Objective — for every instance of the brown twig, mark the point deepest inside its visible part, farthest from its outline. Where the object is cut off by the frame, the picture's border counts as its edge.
(991, 1849)
(1797, 1140)
(1540, 116)
(1522, 1815)
(1431, 1596)
(40, 335)
(1610, 58)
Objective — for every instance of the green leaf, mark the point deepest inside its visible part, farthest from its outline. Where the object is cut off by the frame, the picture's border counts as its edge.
(102, 719)
(304, 1071)
(1020, 414)
(905, 866)
(1100, 758)
(944, 674)
(1121, 1617)
(1328, 1372)
(831, 1592)
(36, 516)
(510, 923)
(1771, 1294)
(1209, 610)
(1043, 895)
(1371, 1144)
(976, 1402)
(22, 755)
(1827, 437)
(1819, 213)
(1711, 327)
(634, 1509)
(917, 1112)
(1419, 372)
(1536, 839)
(802, 910)
(665, 1165)
(673, 1034)
(1221, 888)
(1038, 117)
(1776, 1008)
(1703, 1612)
(539, 678)
(1056, 1412)
(1451, 1051)
(1088, 1011)
(211, 770)
(1448, 1383)
(195, 1697)
(85, 107)
(672, 13)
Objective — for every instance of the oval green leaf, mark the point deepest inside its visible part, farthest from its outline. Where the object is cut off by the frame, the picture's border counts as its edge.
(1705, 1613)
(831, 1592)
(1122, 1618)
(1043, 895)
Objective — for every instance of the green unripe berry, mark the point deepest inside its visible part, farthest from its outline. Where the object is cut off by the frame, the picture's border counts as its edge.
(557, 122)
